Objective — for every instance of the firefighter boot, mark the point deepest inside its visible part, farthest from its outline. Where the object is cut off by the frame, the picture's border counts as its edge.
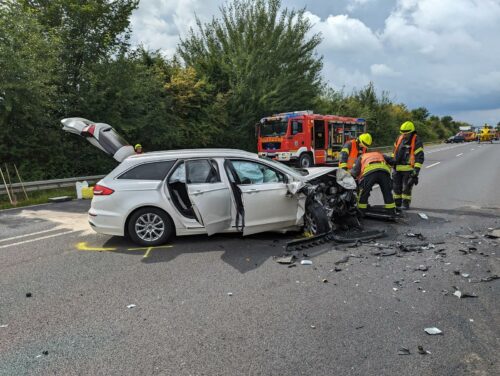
(406, 204)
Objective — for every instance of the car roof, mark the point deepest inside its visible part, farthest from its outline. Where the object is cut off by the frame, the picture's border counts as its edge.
(191, 153)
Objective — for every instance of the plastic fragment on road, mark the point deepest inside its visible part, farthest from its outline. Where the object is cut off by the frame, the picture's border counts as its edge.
(461, 295)
(422, 351)
(229, 294)
(470, 237)
(419, 236)
(494, 234)
(324, 280)
(306, 262)
(29, 294)
(285, 259)
(423, 216)
(131, 306)
(422, 268)
(465, 275)
(313, 327)
(433, 331)
(4, 325)
(404, 351)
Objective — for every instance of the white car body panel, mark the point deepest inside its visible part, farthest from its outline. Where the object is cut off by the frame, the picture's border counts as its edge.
(268, 207)
(212, 205)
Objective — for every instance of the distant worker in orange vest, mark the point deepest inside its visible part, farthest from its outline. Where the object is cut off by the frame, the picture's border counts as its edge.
(138, 149)
(352, 150)
(408, 158)
(370, 169)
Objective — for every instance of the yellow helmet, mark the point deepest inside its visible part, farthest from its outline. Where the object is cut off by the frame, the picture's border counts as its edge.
(407, 127)
(137, 146)
(365, 139)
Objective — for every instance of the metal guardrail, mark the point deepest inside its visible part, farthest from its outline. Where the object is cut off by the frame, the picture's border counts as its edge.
(49, 184)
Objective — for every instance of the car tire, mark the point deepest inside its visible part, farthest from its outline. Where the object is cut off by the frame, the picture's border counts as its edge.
(316, 220)
(305, 160)
(150, 227)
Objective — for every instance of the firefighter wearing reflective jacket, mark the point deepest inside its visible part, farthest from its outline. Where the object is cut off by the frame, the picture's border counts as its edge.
(370, 169)
(408, 158)
(352, 149)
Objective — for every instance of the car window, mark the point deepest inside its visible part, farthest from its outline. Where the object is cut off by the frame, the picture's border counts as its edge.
(296, 127)
(256, 173)
(202, 171)
(148, 171)
(179, 174)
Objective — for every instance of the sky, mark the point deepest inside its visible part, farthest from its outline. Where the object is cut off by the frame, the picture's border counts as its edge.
(440, 54)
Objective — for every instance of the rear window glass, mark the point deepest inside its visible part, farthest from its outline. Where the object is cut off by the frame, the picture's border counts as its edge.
(148, 171)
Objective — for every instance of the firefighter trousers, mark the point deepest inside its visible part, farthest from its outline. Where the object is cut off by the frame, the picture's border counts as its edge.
(402, 190)
(383, 179)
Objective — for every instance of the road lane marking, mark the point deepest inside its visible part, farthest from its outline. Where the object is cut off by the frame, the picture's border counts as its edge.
(82, 246)
(432, 165)
(36, 239)
(458, 155)
(26, 235)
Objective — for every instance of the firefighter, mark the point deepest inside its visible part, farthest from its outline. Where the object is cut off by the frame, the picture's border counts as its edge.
(138, 149)
(370, 169)
(408, 158)
(352, 149)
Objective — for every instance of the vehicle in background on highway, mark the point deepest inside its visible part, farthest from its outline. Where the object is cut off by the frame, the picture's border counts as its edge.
(469, 136)
(455, 139)
(153, 196)
(486, 134)
(304, 138)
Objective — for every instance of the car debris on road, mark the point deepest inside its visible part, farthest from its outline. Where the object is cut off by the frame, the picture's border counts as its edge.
(433, 330)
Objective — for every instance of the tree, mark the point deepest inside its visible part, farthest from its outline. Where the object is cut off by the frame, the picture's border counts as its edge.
(261, 57)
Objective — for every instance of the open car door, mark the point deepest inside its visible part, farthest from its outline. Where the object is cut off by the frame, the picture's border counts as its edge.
(209, 195)
(267, 204)
(101, 135)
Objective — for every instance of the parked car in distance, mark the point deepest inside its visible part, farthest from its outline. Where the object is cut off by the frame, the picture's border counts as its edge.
(151, 197)
(455, 139)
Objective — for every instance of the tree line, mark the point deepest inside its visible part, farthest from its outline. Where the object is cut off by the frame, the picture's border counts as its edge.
(62, 58)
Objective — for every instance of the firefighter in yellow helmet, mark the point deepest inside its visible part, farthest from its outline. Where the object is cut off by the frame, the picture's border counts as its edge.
(408, 155)
(370, 169)
(138, 149)
(352, 149)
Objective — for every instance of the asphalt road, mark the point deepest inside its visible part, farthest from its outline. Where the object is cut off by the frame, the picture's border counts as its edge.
(223, 306)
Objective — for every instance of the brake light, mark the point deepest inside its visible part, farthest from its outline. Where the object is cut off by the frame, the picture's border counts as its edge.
(101, 190)
(88, 130)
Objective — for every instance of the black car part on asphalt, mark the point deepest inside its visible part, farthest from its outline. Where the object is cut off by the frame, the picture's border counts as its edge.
(334, 236)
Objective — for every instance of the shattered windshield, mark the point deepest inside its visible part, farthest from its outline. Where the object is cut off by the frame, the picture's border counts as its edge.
(273, 128)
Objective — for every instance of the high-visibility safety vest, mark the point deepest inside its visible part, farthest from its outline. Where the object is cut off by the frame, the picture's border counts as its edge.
(412, 153)
(373, 161)
(353, 154)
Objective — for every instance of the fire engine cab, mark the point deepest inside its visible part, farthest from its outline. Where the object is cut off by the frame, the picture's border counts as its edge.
(305, 138)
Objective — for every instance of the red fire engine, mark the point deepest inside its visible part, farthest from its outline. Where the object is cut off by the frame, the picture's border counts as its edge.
(305, 138)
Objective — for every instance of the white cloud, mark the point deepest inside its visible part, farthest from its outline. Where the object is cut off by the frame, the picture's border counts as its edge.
(383, 70)
(342, 33)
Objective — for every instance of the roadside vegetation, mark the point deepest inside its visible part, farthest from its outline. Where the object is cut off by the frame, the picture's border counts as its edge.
(36, 197)
(65, 58)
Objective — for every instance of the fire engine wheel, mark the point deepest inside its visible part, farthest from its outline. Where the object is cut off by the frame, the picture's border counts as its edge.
(305, 160)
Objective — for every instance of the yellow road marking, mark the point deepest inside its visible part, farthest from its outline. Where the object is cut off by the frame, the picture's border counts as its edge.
(82, 246)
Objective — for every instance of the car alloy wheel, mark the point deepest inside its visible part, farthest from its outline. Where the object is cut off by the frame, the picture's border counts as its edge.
(149, 227)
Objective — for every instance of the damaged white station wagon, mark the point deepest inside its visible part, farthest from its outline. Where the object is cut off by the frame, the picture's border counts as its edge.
(151, 197)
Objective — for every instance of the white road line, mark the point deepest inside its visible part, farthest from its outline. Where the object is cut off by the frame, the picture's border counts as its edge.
(432, 165)
(458, 155)
(36, 239)
(26, 235)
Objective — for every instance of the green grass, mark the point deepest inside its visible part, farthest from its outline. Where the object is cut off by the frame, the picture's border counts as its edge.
(36, 197)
